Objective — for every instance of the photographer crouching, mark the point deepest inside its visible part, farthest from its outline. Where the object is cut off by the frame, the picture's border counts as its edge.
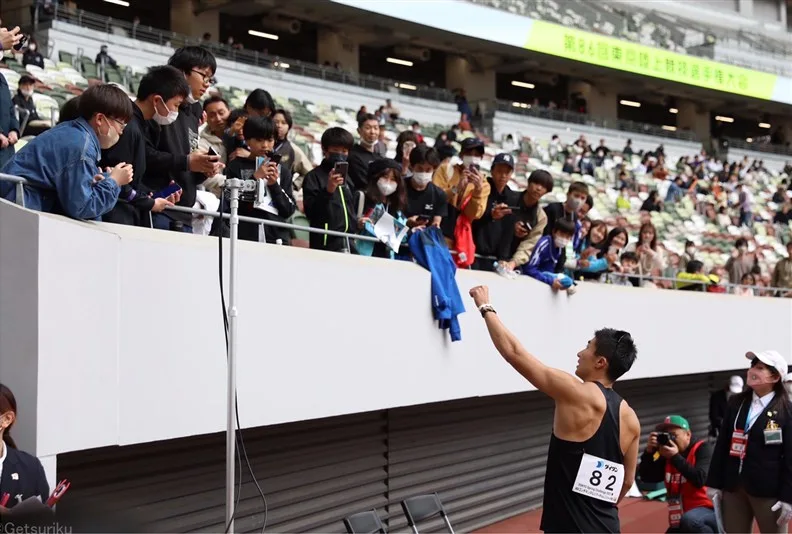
(674, 457)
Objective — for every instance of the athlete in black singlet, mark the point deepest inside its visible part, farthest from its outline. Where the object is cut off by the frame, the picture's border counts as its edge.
(594, 448)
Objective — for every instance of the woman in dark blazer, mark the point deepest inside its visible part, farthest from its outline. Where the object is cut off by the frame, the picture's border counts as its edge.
(751, 469)
(21, 474)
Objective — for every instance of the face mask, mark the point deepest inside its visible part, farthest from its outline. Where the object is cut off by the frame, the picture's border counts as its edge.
(108, 139)
(27, 92)
(386, 187)
(561, 242)
(190, 98)
(690, 251)
(574, 203)
(422, 179)
(367, 144)
(757, 379)
(32, 48)
(164, 120)
(467, 161)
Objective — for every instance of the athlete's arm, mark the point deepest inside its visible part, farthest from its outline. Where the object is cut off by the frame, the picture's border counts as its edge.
(552, 382)
(632, 427)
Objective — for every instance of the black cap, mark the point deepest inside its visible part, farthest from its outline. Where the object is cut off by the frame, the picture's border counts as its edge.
(472, 142)
(505, 159)
(378, 166)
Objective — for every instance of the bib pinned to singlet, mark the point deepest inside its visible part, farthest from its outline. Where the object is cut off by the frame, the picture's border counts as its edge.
(599, 479)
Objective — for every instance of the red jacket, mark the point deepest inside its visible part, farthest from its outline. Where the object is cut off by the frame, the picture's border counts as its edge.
(676, 485)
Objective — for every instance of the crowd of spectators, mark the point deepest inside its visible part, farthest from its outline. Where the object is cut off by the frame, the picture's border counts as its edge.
(127, 162)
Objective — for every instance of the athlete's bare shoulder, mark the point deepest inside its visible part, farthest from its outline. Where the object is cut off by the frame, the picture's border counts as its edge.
(629, 424)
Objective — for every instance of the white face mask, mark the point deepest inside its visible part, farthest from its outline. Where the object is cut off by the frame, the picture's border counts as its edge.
(32, 47)
(26, 92)
(561, 242)
(422, 179)
(467, 161)
(386, 187)
(109, 139)
(574, 203)
(190, 98)
(164, 120)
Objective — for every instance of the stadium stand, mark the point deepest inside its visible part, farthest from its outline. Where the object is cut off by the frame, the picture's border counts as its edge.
(682, 221)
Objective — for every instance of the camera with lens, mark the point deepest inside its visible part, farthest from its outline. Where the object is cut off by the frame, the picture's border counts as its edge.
(664, 438)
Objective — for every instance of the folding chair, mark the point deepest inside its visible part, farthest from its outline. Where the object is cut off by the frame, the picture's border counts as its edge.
(364, 523)
(424, 507)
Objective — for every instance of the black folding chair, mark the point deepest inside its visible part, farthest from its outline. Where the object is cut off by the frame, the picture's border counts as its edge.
(364, 523)
(424, 507)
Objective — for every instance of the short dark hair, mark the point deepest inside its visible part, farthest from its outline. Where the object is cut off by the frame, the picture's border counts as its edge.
(214, 100)
(260, 99)
(365, 118)
(694, 266)
(259, 128)
(106, 99)
(193, 57)
(741, 242)
(165, 81)
(618, 348)
(564, 226)
(70, 110)
(286, 116)
(26, 79)
(629, 256)
(337, 136)
(578, 187)
(543, 178)
(424, 154)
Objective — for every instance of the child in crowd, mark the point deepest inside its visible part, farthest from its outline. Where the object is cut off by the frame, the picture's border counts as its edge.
(548, 256)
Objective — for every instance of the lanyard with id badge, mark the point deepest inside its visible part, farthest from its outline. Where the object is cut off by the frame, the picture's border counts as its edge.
(739, 441)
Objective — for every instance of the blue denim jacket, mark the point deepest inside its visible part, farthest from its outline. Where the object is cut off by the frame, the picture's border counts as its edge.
(60, 165)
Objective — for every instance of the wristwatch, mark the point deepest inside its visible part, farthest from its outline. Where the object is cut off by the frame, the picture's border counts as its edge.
(486, 308)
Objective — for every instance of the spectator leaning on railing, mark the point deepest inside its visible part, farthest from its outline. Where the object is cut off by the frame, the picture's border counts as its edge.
(530, 220)
(61, 165)
(160, 94)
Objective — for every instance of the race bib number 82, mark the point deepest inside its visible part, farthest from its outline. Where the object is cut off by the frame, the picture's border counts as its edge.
(599, 479)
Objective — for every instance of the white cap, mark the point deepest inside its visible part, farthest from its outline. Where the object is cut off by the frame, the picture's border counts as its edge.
(772, 359)
(736, 384)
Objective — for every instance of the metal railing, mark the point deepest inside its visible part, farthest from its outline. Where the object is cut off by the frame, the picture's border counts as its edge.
(566, 115)
(20, 200)
(759, 147)
(152, 35)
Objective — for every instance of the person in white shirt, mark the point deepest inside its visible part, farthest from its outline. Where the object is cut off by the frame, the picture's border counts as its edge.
(751, 470)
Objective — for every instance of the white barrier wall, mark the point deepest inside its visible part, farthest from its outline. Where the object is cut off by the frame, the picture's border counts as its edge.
(114, 335)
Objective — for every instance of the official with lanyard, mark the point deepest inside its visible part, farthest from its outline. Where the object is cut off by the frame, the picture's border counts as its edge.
(751, 470)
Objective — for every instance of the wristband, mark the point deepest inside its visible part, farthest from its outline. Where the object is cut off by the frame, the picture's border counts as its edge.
(486, 308)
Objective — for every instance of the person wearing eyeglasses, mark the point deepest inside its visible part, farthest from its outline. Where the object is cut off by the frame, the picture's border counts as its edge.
(174, 154)
(751, 469)
(62, 164)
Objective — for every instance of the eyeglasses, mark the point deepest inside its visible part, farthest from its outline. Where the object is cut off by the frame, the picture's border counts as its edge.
(207, 78)
(121, 124)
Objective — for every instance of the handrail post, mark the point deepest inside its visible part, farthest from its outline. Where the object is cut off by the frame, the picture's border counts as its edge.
(20, 194)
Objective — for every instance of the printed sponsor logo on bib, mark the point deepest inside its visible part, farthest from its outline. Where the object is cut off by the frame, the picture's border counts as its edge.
(599, 479)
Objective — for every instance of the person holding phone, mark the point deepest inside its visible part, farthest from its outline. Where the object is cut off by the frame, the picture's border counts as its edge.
(427, 204)
(327, 198)
(601, 260)
(493, 233)
(160, 94)
(466, 187)
(264, 165)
